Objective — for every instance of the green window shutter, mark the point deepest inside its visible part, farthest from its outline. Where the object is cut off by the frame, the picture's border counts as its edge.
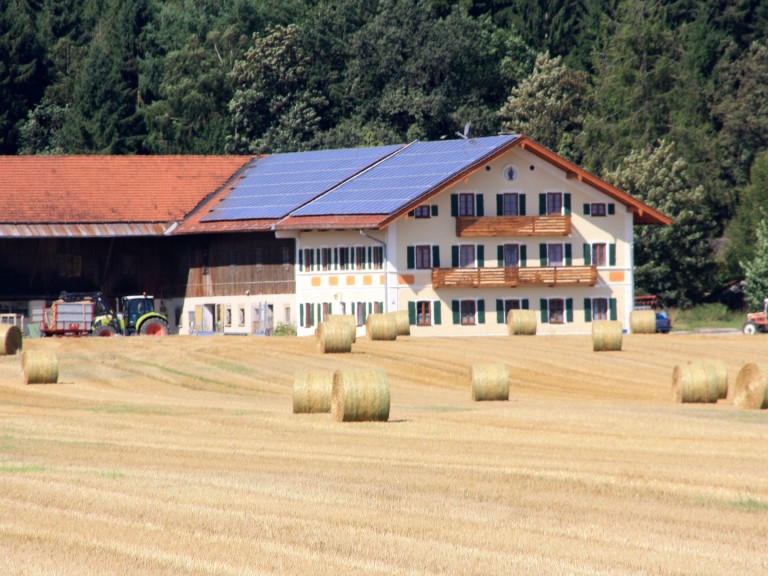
(499, 204)
(311, 259)
(411, 313)
(587, 310)
(567, 203)
(330, 307)
(311, 314)
(569, 309)
(454, 205)
(411, 257)
(433, 208)
(521, 204)
(611, 208)
(542, 204)
(456, 313)
(364, 312)
(411, 213)
(435, 256)
(301, 314)
(480, 210)
(480, 256)
(499, 311)
(587, 254)
(318, 260)
(454, 256)
(523, 255)
(568, 254)
(500, 255)
(370, 257)
(543, 254)
(612, 308)
(436, 313)
(544, 315)
(335, 258)
(611, 254)
(481, 311)
(370, 307)
(587, 210)
(301, 259)
(524, 304)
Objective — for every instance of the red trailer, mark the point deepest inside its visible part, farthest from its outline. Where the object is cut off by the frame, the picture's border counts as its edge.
(67, 318)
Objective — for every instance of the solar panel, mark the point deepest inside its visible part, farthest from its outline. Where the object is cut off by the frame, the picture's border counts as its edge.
(273, 186)
(403, 177)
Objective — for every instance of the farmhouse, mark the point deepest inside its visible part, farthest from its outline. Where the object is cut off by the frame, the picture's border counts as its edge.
(457, 232)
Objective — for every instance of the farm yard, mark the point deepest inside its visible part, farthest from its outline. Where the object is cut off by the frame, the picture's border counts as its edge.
(181, 455)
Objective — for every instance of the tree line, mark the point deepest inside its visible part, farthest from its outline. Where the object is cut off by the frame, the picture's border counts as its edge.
(667, 99)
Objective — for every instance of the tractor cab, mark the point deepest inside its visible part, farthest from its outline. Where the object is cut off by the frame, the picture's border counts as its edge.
(139, 316)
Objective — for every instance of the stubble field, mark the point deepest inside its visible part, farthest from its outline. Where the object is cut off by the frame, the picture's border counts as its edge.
(181, 455)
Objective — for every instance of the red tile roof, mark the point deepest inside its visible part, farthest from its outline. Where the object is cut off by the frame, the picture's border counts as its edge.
(112, 189)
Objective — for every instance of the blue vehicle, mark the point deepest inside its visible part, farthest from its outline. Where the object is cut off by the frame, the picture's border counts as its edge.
(663, 323)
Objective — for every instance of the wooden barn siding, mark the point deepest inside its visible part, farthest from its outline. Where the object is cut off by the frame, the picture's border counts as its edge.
(232, 264)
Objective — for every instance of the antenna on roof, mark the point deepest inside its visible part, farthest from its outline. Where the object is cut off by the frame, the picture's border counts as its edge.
(467, 130)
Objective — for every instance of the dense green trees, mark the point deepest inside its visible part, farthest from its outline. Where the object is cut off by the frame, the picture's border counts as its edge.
(600, 81)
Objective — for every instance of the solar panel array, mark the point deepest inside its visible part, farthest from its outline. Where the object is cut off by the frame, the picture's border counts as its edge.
(403, 177)
(275, 185)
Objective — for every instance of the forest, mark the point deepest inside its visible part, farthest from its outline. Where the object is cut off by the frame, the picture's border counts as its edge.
(667, 99)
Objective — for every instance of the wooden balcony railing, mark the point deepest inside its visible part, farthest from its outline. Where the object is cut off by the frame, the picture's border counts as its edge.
(511, 277)
(473, 226)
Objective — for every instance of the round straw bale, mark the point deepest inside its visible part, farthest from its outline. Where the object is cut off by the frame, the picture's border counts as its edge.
(694, 382)
(312, 392)
(751, 387)
(10, 339)
(39, 367)
(606, 336)
(381, 327)
(521, 322)
(642, 322)
(360, 395)
(721, 373)
(402, 322)
(334, 337)
(489, 382)
(346, 319)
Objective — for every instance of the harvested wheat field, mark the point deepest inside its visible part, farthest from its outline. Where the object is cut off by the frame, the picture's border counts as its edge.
(182, 455)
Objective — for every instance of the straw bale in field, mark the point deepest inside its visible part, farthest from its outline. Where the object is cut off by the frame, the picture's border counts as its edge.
(751, 387)
(695, 382)
(642, 322)
(334, 337)
(10, 339)
(521, 323)
(39, 367)
(489, 382)
(606, 336)
(381, 327)
(360, 395)
(348, 319)
(402, 322)
(312, 391)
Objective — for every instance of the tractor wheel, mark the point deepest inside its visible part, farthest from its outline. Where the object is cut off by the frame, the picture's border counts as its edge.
(104, 331)
(750, 328)
(154, 327)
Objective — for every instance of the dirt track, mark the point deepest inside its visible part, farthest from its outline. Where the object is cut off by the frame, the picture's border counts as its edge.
(180, 455)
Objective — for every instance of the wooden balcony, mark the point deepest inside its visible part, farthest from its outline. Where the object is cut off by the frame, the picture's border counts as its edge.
(512, 277)
(475, 226)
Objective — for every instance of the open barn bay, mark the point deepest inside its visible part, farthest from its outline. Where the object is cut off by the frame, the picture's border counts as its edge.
(181, 455)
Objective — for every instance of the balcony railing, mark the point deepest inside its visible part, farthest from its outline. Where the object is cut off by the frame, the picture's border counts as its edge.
(511, 277)
(474, 226)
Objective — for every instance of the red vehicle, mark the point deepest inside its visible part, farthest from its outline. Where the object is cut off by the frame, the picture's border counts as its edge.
(757, 321)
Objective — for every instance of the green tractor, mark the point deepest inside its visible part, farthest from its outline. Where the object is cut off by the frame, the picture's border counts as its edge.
(136, 315)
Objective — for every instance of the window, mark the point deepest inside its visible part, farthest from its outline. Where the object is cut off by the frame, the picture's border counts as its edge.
(378, 307)
(598, 254)
(468, 309)
(423, 255)
(467, 256)
(325, 258)
(600, 308)
(228, 316)
(466, 204)
(378, 257)
(241, 316)
(423, 212)
(360, 313)
(286, 252)
(598, 209)
(287, 314)
(343, 258)
(326, 310)
(309, 258)
(513, 304)
(424, 313)
(509, 204)
(556, 311)
(511, 254)
(554, 254)
(359, 257)
(308, 319)
(258, 258)
(554, 203)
